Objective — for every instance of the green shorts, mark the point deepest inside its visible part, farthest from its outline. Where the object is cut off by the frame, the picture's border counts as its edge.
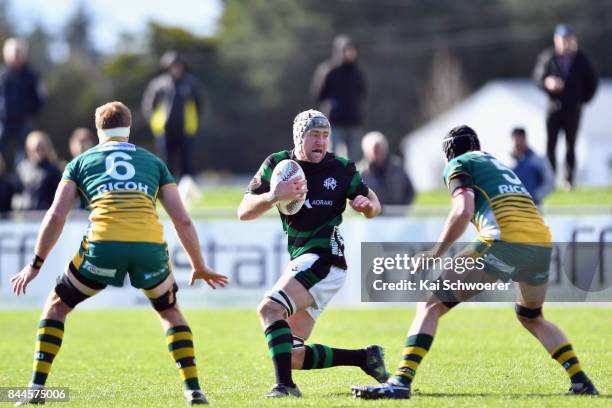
(519, 262)
(108, 262)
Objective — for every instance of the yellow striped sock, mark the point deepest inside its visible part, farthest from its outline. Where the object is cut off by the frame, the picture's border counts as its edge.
(566, 356)
(48, 342)
(416, 348)
(180, 346)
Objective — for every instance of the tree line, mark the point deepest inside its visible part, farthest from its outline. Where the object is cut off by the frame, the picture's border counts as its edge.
(419, 59)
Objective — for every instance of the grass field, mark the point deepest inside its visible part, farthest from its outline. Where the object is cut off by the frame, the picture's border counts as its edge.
(481, 357)
(229, 197)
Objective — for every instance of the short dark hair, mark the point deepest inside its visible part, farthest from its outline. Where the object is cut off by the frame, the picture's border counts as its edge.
(113, 114)
(519, 131)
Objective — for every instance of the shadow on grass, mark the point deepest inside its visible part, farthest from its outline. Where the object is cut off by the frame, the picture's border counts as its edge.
(418, 394)
(504, 396)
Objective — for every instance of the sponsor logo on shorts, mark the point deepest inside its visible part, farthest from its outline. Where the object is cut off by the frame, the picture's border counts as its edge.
(150, 275)
(96, 270)
(499, 264)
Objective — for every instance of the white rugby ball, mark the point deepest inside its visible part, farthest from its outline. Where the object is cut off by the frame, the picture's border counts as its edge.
(287, 170)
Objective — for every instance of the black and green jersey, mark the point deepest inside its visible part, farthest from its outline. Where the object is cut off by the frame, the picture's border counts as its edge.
(120, 183)
(314, 229)
(504, 210)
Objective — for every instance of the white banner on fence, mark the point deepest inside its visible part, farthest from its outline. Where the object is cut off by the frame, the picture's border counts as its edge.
(253, 255)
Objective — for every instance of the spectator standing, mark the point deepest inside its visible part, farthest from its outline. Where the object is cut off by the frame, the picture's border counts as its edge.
(567, 76)
(21, 99)
(172, 103)
(38, 173)
(8, 188)
(534, 171)
(384, 173)
(340, 87)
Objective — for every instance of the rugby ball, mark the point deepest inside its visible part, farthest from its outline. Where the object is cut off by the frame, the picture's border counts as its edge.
(287, 170)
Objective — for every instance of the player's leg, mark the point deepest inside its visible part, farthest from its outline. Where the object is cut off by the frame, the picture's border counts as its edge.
(417, 344)
(71, 289)
(529, 303)
(421, 334)
(425, 323)
(301, 325)
(318, 356)
(49, 338)
(179, 338)
(287, 297)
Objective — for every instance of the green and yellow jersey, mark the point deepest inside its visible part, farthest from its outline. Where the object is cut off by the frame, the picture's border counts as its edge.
(120, 183)
(504, 210)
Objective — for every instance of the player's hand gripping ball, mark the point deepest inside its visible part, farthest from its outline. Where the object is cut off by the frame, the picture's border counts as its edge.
(288, 170)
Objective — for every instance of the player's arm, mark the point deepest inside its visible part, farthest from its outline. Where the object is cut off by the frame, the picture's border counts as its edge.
(50, 231)
(186, 232)
(457, 221)
(254, 205)
(368, 205)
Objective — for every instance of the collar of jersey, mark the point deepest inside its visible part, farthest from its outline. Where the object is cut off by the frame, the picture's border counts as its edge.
(116, 145)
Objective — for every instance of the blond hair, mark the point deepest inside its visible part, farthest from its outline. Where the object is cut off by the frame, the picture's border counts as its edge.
(38, 135)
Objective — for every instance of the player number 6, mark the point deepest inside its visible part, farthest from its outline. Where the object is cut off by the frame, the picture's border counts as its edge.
(113, 163)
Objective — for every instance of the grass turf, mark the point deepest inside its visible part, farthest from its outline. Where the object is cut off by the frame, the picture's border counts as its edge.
(229, 197)
(481, 357)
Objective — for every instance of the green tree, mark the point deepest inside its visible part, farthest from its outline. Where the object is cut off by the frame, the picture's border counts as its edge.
(77, 32)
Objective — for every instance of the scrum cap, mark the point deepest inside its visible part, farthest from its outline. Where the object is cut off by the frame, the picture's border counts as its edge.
(459, 140)
(307, 120)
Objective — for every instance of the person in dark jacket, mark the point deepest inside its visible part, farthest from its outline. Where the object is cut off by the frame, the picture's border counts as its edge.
(534, 171)
(8, 188)
(385, 173)
(340, 87)
(567, 76)
(172, 104)
(38, 173)
(21, 99)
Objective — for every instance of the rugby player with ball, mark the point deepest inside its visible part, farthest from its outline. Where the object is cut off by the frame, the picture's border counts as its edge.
(310, 187)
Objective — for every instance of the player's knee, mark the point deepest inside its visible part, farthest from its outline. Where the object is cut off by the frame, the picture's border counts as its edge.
(528, 316)
(170, 312)
(277, 304)
(297, 357)
(56, 308)
(166, 302)
(433, 308)
(269, 309)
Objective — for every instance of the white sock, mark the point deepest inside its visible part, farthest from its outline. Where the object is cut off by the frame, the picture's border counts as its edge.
(188, 393)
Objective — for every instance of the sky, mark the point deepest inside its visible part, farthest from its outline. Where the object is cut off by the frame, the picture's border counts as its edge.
(111, 17)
